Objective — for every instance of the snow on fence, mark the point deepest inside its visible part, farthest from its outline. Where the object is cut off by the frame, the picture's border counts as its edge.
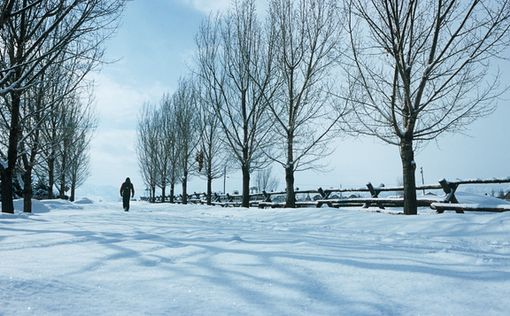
(335, 198)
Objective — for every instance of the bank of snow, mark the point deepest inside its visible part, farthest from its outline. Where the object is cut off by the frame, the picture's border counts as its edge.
(94, 259)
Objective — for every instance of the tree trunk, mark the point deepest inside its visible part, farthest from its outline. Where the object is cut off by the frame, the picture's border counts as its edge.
(246, 186)
(7, 203)
(51, 177)
(209, 171)
(27, 190)
(185, 187)
(73, 188)
(63, 175)
(12, 155)
(209, 188)
(408, 168)
(289, 179)
(153, 193)
(172, 191)
(289, 173)
(163, 192)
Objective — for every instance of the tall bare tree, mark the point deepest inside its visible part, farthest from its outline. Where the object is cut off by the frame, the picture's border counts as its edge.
(26, 29)
(186, 109)
(64, 81)
(166, 136)
(419, 69)
(170, 144)
(307, 36)
(79, 149)
(212, 154)
(31, 145)
(147, 147)
(168, 163)
(235, 57)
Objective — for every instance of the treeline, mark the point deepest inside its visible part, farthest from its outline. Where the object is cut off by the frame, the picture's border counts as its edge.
(47, 47)
(277, 89)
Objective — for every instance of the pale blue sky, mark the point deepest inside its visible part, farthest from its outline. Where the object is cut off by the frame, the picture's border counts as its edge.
(155, 44)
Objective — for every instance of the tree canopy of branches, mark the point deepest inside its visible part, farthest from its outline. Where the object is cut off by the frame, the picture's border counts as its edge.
(306, 45)
(235, 59)
(34, 34)
(186, 110)
(167, 163)
(212, 158)
(147, 147)
(419, 69)
(72, 160)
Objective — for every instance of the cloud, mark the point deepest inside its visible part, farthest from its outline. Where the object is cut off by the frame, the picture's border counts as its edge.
(118, 104)
(208, 6)
(113, 155)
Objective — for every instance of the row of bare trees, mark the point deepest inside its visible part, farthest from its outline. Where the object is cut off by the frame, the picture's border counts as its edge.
(278, 89)
(47, 47)
(179, 137)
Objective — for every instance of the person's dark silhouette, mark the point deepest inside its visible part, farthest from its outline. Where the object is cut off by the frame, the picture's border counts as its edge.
(126, 191)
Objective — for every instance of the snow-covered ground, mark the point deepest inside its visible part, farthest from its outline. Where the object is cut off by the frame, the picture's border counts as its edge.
(91, 258)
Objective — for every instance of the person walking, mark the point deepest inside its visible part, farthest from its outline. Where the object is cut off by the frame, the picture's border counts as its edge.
(127, 191)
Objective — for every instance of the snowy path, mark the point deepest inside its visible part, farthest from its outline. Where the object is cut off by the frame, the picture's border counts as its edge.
(195, 260)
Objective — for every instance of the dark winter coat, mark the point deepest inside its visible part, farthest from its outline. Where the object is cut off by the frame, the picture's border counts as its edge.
(127, 189)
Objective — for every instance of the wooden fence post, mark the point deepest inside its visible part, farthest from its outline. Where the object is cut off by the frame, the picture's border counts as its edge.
(375, 194)
(449, 189)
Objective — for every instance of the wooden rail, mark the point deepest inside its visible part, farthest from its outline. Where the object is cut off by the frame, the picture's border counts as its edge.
(447, 203)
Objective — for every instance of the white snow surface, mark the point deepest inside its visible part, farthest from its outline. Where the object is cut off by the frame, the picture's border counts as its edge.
(94, 259)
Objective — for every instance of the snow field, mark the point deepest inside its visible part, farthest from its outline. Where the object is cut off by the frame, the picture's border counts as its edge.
(94, 259)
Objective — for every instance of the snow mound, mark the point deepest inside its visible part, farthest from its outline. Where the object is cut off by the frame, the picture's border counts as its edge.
(482, 200)
(45, 206)
(60, 205)
(37, 206)
(84, 201)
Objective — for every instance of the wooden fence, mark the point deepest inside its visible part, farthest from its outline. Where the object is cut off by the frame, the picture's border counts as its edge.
(446, 201)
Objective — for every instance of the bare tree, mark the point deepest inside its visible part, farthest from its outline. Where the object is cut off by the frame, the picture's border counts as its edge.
(26, 29)
(419, 69)
(212, 155)
(31, 144)
(265, 181)
(170, 145)
(41, 110)
(77, 121)
(65, 83)
(79, 164)
(307, 36)
(147, 144)
(186, 109)
(168, 162)
(172, 148)
(164, 124)
(235, 57)
(159, 147)
(79, 150)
